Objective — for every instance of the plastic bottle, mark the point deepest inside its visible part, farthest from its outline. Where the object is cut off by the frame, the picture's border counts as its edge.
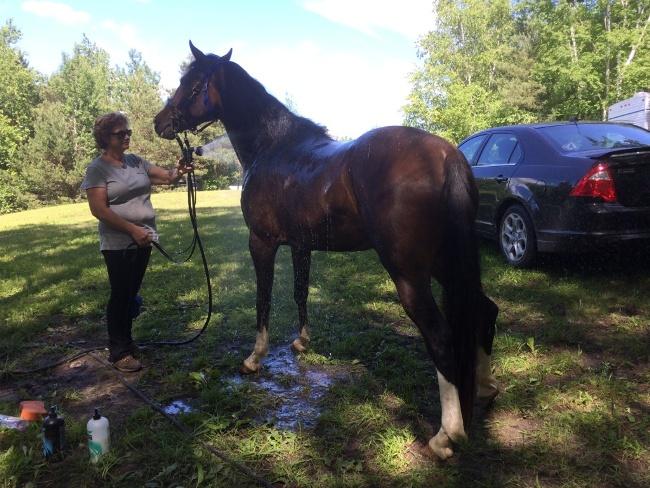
(208, 150)
(99, 437)
(53, 435)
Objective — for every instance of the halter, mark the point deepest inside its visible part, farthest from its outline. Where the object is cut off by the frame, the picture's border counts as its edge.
(177, 119)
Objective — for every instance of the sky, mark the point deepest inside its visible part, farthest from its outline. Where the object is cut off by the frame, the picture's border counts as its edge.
(344, 64)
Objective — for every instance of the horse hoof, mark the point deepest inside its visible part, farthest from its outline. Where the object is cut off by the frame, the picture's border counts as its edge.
(299, 345)
(441, 445)
(249, 368)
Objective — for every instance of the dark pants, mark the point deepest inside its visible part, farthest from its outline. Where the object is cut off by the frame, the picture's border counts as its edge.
(125, 272)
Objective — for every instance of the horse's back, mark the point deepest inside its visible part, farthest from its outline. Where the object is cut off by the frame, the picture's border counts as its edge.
(398, 163)
(397, 175)
(350, 195)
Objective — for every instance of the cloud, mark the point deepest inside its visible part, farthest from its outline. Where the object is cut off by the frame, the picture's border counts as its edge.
(409, 18)
(123, 36)
(60, 12)
(346, 91)
(124, 31)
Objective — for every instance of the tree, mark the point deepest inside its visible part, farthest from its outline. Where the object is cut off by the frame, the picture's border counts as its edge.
(18, 85)
(63, 145)
(589, 54)
(491, 63)
(137, 93)
(18, 95)
(476, 72)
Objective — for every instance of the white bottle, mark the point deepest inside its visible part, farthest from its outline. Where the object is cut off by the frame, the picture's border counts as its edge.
(99, 437)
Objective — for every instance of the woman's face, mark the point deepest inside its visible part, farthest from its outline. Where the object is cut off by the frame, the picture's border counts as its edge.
(120, 138)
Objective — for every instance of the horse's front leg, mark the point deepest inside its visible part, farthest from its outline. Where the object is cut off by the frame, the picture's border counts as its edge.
(263, 253)
(301, 262)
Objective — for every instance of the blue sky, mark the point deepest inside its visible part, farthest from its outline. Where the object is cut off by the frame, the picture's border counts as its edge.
(343, 63)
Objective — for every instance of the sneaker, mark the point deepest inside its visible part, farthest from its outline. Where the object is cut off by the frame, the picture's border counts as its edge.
(128, 364)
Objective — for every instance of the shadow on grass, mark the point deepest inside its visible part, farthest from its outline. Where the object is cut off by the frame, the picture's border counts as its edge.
(53, 271)
(57, 271)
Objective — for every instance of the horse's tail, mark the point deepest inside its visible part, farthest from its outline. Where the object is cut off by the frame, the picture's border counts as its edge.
(462, 275)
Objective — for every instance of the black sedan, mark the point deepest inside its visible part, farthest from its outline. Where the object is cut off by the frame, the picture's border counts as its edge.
(561, 187)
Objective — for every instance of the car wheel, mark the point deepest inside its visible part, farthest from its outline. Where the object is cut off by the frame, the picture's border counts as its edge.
(517, 237)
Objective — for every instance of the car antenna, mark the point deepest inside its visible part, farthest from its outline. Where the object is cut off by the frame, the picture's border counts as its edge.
(574, 119)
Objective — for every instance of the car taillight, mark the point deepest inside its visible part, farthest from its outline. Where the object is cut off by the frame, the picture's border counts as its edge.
(597, 183)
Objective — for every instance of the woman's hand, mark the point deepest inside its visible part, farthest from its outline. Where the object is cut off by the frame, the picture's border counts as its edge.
(162, 176)
(141, 235)
(182, 167)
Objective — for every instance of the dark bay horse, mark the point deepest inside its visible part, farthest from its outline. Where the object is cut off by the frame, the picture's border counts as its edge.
(401, 191)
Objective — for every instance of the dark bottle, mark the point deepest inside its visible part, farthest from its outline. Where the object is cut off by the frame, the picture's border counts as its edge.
(53, 435)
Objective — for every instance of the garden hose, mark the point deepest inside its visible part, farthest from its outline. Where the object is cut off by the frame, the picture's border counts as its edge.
(182, 427)
(196, 240)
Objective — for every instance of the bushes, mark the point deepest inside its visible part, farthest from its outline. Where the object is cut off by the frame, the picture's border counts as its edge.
(14, 195)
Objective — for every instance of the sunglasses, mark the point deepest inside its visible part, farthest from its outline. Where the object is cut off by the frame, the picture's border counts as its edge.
(122, 133)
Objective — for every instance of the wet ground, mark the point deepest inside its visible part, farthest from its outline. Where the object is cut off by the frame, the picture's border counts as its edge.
(296, 389)
(177, 407)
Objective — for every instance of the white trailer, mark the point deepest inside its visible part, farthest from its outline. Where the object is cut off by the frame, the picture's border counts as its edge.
(634, 110)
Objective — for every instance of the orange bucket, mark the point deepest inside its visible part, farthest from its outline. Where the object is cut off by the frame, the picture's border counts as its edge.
(32, 410)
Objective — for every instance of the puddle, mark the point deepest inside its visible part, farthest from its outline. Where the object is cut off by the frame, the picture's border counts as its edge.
(177, 407)
(297, 389)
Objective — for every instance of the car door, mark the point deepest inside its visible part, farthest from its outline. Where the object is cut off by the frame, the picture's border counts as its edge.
(493, 169)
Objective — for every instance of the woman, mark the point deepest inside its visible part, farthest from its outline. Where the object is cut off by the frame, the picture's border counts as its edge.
(118, 187)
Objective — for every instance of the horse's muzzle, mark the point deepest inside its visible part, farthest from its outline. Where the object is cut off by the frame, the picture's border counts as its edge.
(166, 123)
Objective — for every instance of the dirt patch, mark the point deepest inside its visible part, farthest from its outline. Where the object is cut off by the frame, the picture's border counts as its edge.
(77, 388)
(512, 430)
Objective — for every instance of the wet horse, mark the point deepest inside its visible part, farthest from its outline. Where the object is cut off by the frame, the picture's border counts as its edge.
(401, 191)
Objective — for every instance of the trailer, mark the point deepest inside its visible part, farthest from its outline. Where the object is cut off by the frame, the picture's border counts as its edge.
(634, 110)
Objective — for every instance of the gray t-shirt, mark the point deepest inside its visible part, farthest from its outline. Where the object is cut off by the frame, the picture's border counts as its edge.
(129, 196)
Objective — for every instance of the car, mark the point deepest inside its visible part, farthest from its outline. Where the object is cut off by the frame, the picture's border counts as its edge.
(561, 186)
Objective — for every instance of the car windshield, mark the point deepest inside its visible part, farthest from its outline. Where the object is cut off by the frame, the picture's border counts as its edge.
(585, 137)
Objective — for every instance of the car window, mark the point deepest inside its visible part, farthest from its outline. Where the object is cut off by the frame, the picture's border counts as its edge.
(582, 137)
(469, 148)
(516, 155)
(498, 149)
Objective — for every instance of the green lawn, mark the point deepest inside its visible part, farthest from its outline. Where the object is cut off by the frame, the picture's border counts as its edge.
(571, 354)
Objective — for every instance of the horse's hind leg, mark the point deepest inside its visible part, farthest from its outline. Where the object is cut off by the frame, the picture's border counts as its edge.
(301, 262)
(419, 304)
(263, 254)
(486, 384)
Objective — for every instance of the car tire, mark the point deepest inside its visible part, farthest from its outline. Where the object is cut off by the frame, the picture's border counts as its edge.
(516, 237)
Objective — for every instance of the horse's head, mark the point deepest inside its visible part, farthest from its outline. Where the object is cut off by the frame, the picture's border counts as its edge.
(197, 98)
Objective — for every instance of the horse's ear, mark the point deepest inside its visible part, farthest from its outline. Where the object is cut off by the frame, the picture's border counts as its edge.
(226, 57)
(198, 55)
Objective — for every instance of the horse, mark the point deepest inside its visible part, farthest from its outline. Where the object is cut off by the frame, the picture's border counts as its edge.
(401, 191)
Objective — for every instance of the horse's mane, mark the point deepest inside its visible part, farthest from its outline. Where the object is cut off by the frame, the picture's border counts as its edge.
(255, 107)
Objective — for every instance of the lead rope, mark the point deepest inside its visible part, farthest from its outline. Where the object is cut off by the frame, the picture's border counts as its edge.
(188, 151)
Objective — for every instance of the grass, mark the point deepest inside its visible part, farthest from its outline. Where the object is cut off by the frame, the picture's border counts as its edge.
(571, 355)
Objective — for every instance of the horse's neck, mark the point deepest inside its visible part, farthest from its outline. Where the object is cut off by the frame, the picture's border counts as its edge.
(250, 134)
(242, 143)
